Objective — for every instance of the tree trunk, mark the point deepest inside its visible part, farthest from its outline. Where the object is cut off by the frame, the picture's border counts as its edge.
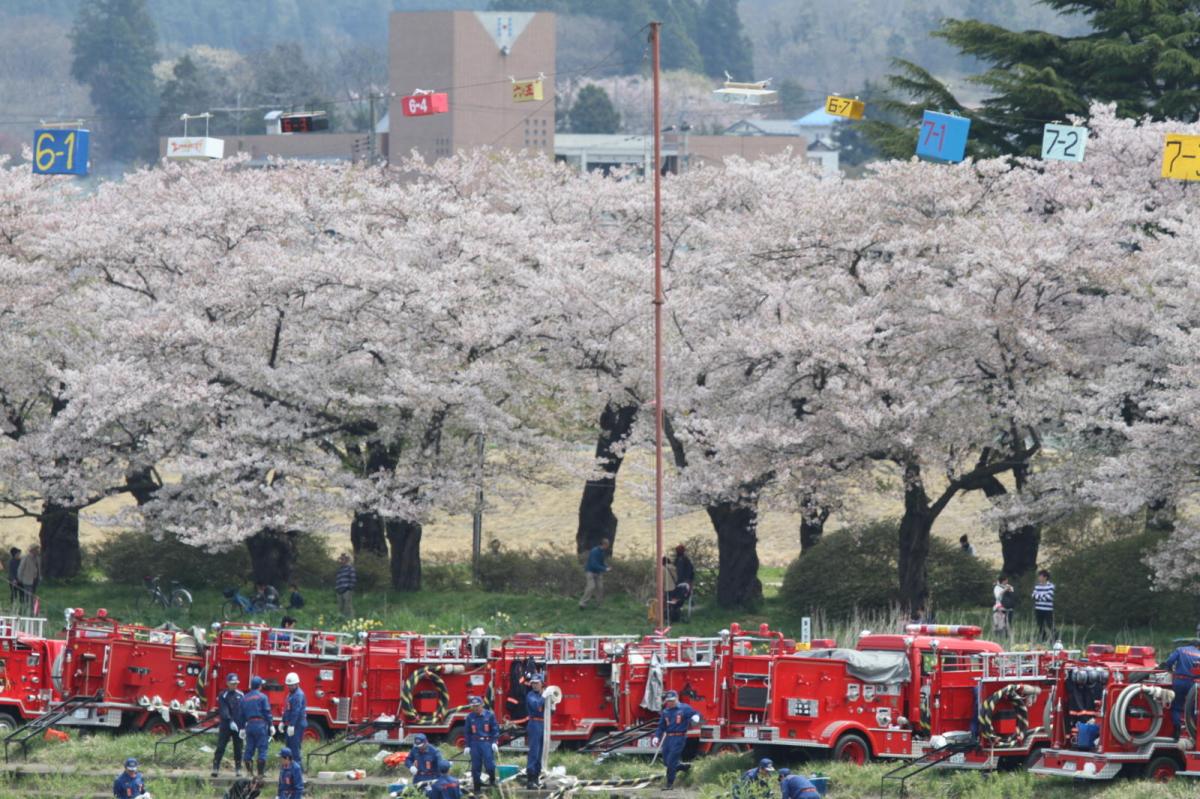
(272, 556)
(596, 518)
(915, 528)
(59, 538)
(367, 534)
(405, 538)
(736, 524)
(812, 523)
(142, 484)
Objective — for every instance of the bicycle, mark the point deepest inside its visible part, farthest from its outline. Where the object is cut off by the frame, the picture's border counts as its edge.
(237, 605)
(179, 597)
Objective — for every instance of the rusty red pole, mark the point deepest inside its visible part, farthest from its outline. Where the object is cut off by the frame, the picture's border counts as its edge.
(655, 30)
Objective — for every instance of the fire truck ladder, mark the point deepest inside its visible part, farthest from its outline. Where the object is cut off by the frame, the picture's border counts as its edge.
(363, 733)
(23, 735)
(607, 744)
(931, 758)
(205, 725)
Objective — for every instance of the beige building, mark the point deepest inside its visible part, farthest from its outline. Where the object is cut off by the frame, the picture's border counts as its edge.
(470, 55)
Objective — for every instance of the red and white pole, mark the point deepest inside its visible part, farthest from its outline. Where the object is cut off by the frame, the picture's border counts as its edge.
(655, 30)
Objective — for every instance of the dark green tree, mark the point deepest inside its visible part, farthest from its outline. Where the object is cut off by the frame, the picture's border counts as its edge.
(189, 91)
(1142, 56)
(593, 112)
(114, 46)
(724, 45)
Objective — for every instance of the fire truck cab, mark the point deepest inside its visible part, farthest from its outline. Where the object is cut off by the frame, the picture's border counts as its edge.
(329, 666)
(26, 659)
(1112, 715)
(146, 679)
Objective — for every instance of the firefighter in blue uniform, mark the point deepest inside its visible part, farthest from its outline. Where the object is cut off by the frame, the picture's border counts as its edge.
(130, 783)
(423, 761)
(295, 713)
(535, 729)
(1184, 664)
(482, 732)
(229, 711)
(793, 786)
(445, 786)
(256, 712)
(291, 778)
(754, 782)
(673, 725)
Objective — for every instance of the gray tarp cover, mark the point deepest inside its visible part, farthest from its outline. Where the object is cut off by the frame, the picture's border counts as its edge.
(877, 666)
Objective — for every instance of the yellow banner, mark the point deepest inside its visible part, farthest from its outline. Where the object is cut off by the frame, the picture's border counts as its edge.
(844, 107)
(525, 91)
(1181, 157)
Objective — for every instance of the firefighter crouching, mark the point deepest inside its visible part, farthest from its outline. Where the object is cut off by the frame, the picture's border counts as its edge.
(673, 725)
(755, 782)
(291, 778)
(130, 784)
(446, 785)
(423, 761)
(794, 786)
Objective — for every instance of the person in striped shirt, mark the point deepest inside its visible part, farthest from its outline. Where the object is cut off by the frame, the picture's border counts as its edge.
(1043, 605)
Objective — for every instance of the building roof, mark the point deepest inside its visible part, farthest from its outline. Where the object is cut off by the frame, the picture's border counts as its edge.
(817, 119)
(763, 127)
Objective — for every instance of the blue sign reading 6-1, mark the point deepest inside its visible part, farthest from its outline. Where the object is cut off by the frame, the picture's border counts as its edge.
(943, 137)
(60, 152)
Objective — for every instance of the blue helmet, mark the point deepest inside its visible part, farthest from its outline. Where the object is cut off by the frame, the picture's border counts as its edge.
(285, 752)
(766, 764)
(420, 738)
(444, 766)
(231, 678)
(783, 772)
(669, 695)
(256, 683)
(131, 762)
(474, 700)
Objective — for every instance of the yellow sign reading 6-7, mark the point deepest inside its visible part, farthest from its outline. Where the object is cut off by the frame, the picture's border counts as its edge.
(60, 152)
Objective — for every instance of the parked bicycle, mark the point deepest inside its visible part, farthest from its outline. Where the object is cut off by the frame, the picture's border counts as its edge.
(237, 604)
(178, 598)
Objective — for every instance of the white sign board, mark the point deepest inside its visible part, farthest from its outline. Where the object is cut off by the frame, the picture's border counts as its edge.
(1063, 143)
(806, 630)
(189, 147)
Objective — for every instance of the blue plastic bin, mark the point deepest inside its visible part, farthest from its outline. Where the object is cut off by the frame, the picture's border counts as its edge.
(820, 782)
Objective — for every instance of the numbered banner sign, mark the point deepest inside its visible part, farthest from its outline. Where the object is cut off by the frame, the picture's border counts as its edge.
(1063, 142)
(525, 91)
(1181, 157)
(60, 152)
(422, 105)
(943, 137)
(844, 107)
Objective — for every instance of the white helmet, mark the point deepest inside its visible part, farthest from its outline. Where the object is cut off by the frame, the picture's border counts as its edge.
(292, 678)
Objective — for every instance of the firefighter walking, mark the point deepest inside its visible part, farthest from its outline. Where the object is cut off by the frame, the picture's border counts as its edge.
(482, 732)
(295, 714)
(229, 711)
(256, 710)
(535, 728)
(673, 725)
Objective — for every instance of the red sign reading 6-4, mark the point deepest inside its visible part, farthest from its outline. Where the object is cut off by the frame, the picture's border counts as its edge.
(420, 105)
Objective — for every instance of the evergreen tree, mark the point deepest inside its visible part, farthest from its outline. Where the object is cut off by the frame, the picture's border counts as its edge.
(593, 112)
(1142, 56)
(187, 92)
(724, 45)
(114, 47)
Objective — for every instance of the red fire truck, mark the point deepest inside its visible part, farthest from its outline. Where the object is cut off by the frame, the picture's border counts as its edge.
(330, 667)
(421, 683)
(1112, 716)
(143, 678)
(26, 659)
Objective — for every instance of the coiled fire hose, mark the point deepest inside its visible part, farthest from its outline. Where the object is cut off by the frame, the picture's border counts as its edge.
(1190, 711)
(433, 673)
(1021, 696)
(1159, 700)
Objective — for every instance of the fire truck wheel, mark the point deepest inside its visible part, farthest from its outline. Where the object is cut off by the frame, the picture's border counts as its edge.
(8, 723)
(729, 749)
(155, 725)
(1162, 769)
(457, 737)
(314, 733)
(852, 748)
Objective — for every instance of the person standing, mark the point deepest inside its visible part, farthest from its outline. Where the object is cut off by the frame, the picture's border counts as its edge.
(1003, 595)
(445, 786)
(1043, 605)
(594, 571)
(229, 712)
(130, 783)
(423, 761)
(1184, 665)
(685, 571)
(291, 778)
(29, 574)
(14, 585)
(482, 732)
(343, 586)
(535, 729)
(295, 714)
(256, 710)
(965, 545)
(673, 725)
